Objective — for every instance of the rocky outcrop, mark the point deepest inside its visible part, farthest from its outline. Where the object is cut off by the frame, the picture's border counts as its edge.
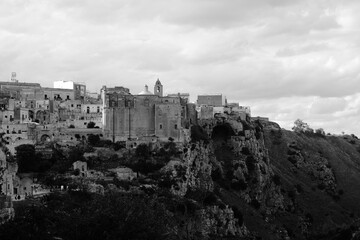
(247, 165)
(316, 165)
(235, 157)
(7, 174)
(211, 222)
(192, 172)
(6, 209)
(215, 221)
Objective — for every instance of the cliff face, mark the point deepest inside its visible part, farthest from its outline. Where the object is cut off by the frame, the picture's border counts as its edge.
(6, 208)
(234, 158)
(281, 184)
(320, 177)
(193, 171)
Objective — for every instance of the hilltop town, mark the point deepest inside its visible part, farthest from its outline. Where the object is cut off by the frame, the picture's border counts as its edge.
(152, 165)
(34, 114)
(67, 115)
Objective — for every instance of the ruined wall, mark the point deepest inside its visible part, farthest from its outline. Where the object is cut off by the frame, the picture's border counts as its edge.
(206, 112)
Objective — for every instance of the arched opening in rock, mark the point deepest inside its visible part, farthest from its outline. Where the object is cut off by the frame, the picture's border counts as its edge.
(222, 132)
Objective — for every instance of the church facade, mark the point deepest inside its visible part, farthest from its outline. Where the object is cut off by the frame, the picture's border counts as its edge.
(146, 115)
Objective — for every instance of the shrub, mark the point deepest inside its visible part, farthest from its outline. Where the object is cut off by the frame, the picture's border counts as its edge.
(320, 132)
(210, 199)
(309, 218)
(142, 151)
(292, 159)
(198, 134)
(76, 172)
(245, 151)
(255, 203)
(238, 214)
(71, 126)
(291, 194)
(239, 185)
(276, 179)
(93, 139)
(321, 186)
(216, 174)
(250, 163)
(119, 145)
(91, 125)
(299, 188)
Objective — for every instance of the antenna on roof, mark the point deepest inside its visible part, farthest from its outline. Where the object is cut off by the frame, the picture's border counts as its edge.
(13, 77)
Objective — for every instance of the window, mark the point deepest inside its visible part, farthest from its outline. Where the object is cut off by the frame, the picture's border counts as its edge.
(72, 105)
(160, 126)
(84, 123)
(175, 126)
(5, 116)
(19, 131)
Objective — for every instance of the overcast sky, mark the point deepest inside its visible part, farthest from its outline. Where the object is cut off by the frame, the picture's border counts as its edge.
(287, 59)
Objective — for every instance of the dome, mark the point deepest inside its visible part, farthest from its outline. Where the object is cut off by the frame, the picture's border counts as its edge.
(146, 91)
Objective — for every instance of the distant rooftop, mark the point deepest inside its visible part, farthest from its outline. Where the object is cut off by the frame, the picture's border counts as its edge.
(57, 89)
(21, 84)
(216, 94)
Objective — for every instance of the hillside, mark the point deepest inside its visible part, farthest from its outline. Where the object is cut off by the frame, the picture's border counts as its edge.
(233, 179)
(321, 174)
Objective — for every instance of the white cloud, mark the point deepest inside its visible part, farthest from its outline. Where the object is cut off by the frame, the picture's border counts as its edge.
(287, 59)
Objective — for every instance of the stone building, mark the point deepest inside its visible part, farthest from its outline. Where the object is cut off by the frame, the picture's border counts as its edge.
(79, 89)
(134, 117)
(214, 100)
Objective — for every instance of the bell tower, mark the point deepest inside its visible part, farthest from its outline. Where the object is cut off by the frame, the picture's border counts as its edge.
(158, 88)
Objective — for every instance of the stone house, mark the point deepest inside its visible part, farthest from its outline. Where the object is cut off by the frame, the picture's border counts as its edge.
(124, 173)
(82, 167)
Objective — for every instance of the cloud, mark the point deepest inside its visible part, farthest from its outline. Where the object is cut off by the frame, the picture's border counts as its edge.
(327, 105)
(309, 48)
(286, 59)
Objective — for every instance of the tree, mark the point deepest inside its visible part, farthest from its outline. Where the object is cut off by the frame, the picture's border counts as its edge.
(30, 161)
(112, 216)
(320, 131)
(93, 139)
(142, 151)
(301, 127)
(77, 136)
(91, 125)
(198, 134)
(26, 158)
